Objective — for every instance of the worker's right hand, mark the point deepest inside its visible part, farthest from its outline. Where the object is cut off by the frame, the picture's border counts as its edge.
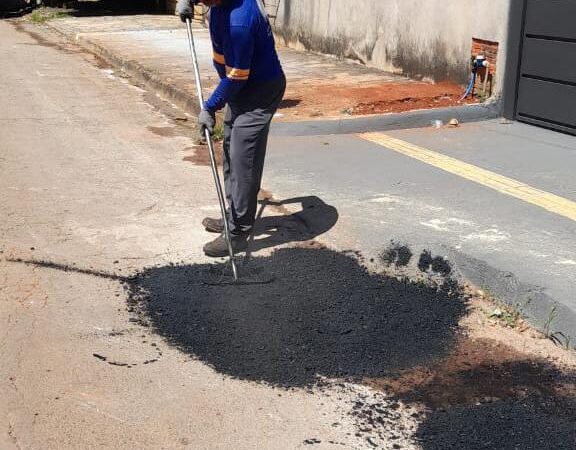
(206, 121)
(185, 10)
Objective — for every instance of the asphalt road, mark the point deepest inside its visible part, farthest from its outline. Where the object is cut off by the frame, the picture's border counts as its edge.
(497, 199)
(93, 182)
(112, 334)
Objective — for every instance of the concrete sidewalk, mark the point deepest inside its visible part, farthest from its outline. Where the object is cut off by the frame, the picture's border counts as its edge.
(153, 49)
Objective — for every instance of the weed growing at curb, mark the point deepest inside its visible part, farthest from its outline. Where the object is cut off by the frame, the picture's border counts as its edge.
(508, 315)
(218, 134)
(547, 328)
(43, 15)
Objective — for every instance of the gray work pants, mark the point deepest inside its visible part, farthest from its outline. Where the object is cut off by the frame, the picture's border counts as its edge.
(246, 127)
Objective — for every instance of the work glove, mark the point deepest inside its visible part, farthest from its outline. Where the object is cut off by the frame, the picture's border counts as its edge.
(185, 9)
(206, 121)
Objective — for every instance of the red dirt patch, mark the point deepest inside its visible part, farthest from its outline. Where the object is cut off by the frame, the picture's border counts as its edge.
(327, 100)
(479, 371)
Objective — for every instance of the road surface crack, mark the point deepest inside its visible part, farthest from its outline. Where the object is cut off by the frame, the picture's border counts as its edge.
(13, 436)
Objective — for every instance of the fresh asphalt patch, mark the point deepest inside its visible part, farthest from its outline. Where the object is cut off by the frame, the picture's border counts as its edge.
(530, 423)
(389, 347)
(324, 317)
(327, 319)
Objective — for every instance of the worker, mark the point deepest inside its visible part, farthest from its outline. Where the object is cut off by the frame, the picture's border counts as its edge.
(252, 84)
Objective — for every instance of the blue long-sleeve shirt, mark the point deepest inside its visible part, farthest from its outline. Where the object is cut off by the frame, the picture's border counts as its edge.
(244, 49)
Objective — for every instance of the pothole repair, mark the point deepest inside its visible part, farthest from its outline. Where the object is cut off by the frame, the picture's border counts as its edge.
(395, 355)
(324, 316)
(391, 348)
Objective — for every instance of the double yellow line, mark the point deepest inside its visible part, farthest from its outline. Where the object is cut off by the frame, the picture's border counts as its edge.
(509, 186)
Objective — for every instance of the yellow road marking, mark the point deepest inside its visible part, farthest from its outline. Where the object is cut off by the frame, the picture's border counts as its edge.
(505, 185)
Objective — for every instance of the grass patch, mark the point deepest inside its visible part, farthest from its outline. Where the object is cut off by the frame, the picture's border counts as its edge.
(509, 316)
(218, 134)
(43, 15)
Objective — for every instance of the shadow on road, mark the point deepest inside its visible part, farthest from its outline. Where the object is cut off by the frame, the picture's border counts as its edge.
(117, 7)
(17, 8)
(488, 395)
(532, 423)
(314, 219)
(324, 316)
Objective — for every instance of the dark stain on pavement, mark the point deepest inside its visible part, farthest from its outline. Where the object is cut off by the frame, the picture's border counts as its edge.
(434, 264)
(324, 316)
(201, 157)
(41, 40)
(477, 371)
(67, 268)
(164, 131)
(112, 363)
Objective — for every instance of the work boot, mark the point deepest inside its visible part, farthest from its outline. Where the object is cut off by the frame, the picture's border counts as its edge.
(213, 225)
(218, 248)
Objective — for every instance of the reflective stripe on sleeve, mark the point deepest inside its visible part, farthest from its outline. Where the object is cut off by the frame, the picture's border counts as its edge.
(237, 74)
(218, 58)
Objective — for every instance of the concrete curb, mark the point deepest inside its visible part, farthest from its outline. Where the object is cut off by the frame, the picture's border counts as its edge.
(388, 122)
(545, 313)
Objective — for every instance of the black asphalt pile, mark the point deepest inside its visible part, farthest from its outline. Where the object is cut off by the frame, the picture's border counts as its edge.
(532, 423)
(324, 316)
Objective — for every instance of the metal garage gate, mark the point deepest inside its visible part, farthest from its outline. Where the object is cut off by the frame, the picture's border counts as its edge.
(547, 82)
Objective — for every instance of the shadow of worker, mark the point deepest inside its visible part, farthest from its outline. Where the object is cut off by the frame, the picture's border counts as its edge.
(314, 219)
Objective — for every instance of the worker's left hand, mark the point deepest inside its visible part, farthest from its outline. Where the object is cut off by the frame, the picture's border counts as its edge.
(185, 10)
(206, 121)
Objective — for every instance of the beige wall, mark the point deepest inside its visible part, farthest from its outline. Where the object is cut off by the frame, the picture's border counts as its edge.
(421, 38)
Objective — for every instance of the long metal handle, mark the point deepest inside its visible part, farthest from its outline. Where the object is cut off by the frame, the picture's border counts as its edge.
(208, 137)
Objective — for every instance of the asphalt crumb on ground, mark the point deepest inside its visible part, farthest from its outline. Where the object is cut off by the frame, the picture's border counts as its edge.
(324, 316)
(395, 355)
(326, 320)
